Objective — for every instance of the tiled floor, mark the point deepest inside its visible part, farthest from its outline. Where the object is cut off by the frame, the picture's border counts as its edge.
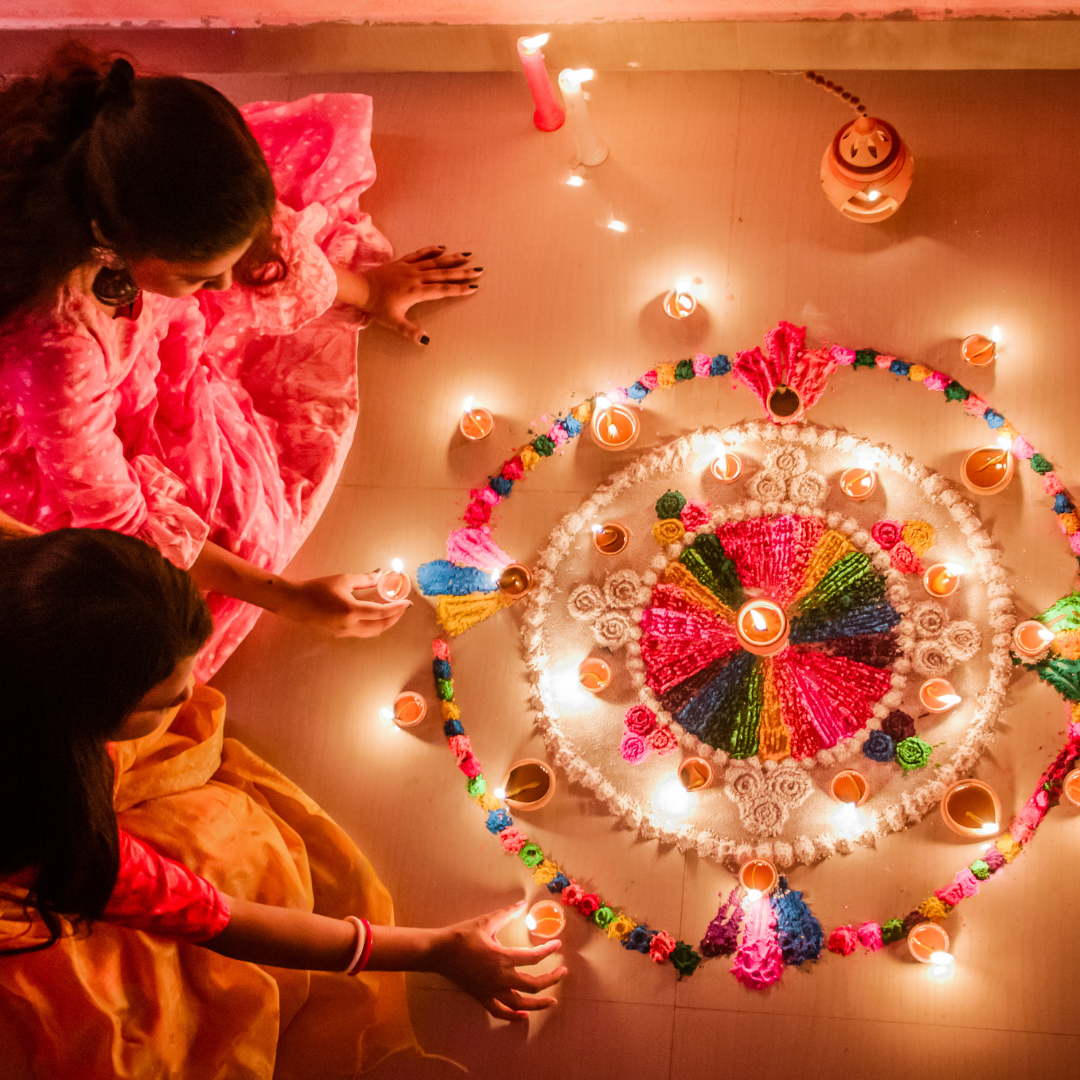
(716, 174)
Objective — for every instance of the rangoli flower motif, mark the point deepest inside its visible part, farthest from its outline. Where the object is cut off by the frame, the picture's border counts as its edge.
(764, 799)
(607, 608)
(821, 688)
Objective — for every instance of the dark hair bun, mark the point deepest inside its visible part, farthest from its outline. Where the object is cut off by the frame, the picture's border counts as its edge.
(117, 84)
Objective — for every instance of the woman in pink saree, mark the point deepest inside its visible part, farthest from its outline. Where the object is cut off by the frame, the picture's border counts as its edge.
(181, 293)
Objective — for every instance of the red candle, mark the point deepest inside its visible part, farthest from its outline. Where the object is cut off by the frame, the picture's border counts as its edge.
(549, 116)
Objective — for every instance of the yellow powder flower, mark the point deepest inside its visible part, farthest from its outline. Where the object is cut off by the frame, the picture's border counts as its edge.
(582, 413)
(665, 376)
(450, 711)
(1008, 847)
(918, 372)
(919, 534)
(487, 801)
(529, 458)
(545, 872)
(668, 531)
(933, 908)
(1069, 522)
(619, 927)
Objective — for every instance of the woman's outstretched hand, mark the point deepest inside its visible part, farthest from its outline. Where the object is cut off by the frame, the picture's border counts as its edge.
(387, 292)
(468, 955)
(329, 604)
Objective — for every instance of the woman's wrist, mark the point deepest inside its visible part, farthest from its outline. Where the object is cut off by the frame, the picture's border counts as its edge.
(353, 288)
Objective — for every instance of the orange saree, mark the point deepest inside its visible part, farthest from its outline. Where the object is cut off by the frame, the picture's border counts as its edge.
(123, 1003)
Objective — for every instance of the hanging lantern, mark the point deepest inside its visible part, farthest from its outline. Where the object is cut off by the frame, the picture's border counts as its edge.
(867, 169)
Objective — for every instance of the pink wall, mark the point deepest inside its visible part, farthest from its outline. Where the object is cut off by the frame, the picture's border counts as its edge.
(244, 13)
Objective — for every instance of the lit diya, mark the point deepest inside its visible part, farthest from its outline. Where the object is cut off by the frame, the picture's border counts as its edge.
(762, 627)
(926, 940)
(409, 709)
(681, 302)
(529, 785)
(942, 579)
(545, 920)
(613, 427)
(988, 470)
(695, 774)
(594, 674)
(726, 467)
(394, 584)
(1031, 639)
(938, 695)
(971, 809)
(476, 422)
(1070, 787)
(610, 538)
(515, 580)
(858, 483)
(758, 877)
(850, 786)
(978, 350)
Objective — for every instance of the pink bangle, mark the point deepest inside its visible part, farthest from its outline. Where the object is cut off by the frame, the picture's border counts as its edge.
(363, 945)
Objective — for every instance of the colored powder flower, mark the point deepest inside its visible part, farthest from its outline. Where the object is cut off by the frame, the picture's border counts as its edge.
(640, 719)
(684, 370)
(918, 372)
(661, 947)
(933, 908)
(513, 840)
(451, 711)
(887, 533)
(543, 446)
(891, 931)
(1074, 543)
(558, 436)
(470, 766)
(649, 380)
(441, 649)
(843, 357)
(918, 535)
(900, 367)
(487, 801)
(477, 513)
(602, 916)
(980, 869)
(869, 935)
(572, 427)
(879, 746)
(637, 392)
(865, 358)
(633, 748)
(899, 725)
(721, 365)
(670, 504)
(558, 883)
(963, 886)
(476, 786)
(1051, 484)
(937, 380)
(976, 405)
(904, 559)
(912, 753)
(702, 365)
(460, 746)
(843, 940)
(572, 894)
(582, 412)
(882, 361)
(993, 419)
(441, 668)
(1008, 847)
(665, 376)
(588, 905)
(498, 820)
(1062, 503)
(639, 938)
(452, 727)
(685, 959)
(501, 486)
(993, 859)
(529, 458)
(531, 855)
(619, 927)
(668, 531)
(513, 469)
(722, 935)
(545, 872)
(662, 741)
(955, 392)
(444, 689)
(1022, 449)
(695, 514)
(1069, 523)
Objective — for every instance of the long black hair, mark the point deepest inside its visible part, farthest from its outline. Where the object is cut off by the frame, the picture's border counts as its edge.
(163, 166)
(90, 622)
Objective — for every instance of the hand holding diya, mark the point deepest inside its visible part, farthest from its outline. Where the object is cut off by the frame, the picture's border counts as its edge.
(394, 584)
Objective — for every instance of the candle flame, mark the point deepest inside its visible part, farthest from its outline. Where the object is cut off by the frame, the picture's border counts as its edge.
(575, 181)
(873, 196)
(530, 922)
(387, 713)
(672, 798)
(995, 335)
(574, 77)
(1045, 635)
(949, 699)
(468, 403)
(753, 895)
(988, 827)
(1004, 442)
(499, 793)
(953, 569)
(617, 226)
(941, 958)
(612, 430)
(758, 619)
(530, 45)
(397, 566)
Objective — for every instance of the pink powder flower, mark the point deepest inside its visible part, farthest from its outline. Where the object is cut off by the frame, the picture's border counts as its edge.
(976, 405)
(513, 469)
(662, 742)
(588, 904)
(887, 533)
(572, 894)
(661, 946)
(965, 884)
(617, 395)
(649, 380)
(843, 940)
(557, 434)
(870, 935)
(1051, 484)
(884, 361)
(477, 513)
(640, 720)
(441, 649)
(1021, 448)
(1074, 543)
(695, 514)
(633, 748)
(470, 766)
(513, 840)
(843, 357)
(904, 559)
(937, 380)
(702, 365)
(460, 746)
(486, 495)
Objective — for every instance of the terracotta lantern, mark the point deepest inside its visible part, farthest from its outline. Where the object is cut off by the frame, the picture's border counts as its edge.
(866, 171)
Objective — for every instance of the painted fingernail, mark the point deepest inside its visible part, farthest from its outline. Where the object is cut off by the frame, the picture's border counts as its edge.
(478, 269)
(425, 340)
(466, 254)
(377, 570)
(474, 286)
(441, 247)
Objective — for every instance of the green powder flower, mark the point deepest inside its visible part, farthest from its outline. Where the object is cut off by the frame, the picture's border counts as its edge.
(670, 504)
(912, 753)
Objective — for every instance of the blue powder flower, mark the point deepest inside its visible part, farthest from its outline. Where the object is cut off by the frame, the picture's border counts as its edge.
(639, 938)
(571, 426)
(441, 668)
(637, 392)
(900, 367)
(721, 365)
(880, 746)
(442, 578)
(1062, 503)
(993, 419)
(500, 485)
(498, 820)
(558, 883)
(452, 728)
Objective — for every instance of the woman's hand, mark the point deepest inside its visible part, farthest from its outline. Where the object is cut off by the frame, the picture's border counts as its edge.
(329, 604)
(387, 292)
(468, 954)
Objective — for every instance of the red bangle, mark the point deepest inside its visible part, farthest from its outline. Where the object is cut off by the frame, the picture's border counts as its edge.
(363, 952)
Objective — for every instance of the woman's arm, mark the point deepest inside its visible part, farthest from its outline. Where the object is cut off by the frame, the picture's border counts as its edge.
(465, 953)
(326, 602)
(387, 292)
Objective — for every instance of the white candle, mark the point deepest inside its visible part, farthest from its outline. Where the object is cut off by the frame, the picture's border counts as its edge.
(590, 149)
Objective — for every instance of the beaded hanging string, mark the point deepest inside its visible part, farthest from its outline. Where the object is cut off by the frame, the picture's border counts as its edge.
(835, 88)
(443, 582)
